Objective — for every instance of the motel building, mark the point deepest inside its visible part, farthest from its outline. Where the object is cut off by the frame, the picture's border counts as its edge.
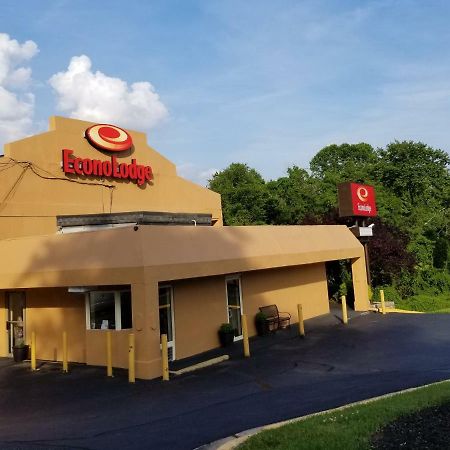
(98, 232)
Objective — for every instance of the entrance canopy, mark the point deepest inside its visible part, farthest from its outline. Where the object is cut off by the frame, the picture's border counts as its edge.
(125, 255)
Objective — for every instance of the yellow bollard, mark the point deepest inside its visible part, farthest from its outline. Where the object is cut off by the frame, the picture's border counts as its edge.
(65, 367)
(301, 325)
(165, 358)
(344, 310)
(109, 371)
(245, 335)
(131, 368)
(33, 350)
(383, 305)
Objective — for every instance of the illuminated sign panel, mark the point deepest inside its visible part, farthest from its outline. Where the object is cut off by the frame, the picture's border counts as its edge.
(111, 139)
(356, 200)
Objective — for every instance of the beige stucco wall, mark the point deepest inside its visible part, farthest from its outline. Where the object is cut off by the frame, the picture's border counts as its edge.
(286, 287)
(49, 312)
(37, 200)
(199, 309)
(200, 305)
(96, 347)
(360, 287)
(44, 263)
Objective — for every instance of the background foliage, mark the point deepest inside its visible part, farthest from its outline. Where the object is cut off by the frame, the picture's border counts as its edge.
(410, 248)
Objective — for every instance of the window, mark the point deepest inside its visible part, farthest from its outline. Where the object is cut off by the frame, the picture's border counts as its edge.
(109, 310)
(234, 304)
(165, 312)
(166, 323)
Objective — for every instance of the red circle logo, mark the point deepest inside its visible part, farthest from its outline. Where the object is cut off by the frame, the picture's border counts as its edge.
(109, 137)
(363, 194)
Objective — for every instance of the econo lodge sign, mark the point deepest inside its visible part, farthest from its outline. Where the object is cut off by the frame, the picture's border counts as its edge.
(107, 138)
(356, 200)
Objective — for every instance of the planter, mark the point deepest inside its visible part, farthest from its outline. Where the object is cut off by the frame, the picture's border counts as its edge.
(226, 338)
(262, 327)
(20, 353)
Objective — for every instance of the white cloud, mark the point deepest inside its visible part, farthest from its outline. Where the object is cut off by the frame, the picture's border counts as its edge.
(16, 101)
(195, 174)
(88, 95)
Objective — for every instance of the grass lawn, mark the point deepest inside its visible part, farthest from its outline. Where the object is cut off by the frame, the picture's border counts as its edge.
(426, 302)
(350, 428)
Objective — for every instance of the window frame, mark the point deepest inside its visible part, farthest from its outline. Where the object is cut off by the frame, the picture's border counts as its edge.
(170, 344)
(117, 309)
(238, 277)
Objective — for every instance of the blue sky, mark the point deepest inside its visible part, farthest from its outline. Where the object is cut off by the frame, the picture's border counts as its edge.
(267, 83)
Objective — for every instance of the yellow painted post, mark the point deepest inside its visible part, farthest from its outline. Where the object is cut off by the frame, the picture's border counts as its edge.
(33, 350)
(245, 335)
(131, 368)
(109, 371)
(344, 310)
(301, 325)
(65, 367)
(383, 304)
(165, 358)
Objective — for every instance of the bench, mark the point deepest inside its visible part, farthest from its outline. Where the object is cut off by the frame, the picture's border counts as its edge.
(274, 318)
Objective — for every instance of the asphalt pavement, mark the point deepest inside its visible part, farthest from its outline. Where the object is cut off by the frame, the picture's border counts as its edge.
(286, 377)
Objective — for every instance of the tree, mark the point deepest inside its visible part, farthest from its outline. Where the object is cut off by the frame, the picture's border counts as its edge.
(349, 162)
(388, 253)
(414, 172)
(335, 164)
(417, 176)
(292, 197)
(440, 253)
(244, 194)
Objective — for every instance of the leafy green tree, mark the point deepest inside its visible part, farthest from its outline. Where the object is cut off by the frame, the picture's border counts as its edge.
(440, 253)
(336, 164)
(244, 194)
(414, 172)
(410, 247)
(347, 162)
(416, 178)
(293, 197)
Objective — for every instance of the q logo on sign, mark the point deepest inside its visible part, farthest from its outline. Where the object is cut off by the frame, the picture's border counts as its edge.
(362, 194)
(109, 137)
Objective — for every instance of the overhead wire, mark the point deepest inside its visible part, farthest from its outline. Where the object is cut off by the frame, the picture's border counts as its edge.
(35, 169)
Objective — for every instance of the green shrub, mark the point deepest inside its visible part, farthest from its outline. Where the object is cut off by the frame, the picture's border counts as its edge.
(226, 328)
(260, 317)
(427, 302)
(390, 294)
(440, 253)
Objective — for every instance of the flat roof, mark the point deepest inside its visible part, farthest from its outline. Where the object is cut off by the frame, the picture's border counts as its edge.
(162, 253)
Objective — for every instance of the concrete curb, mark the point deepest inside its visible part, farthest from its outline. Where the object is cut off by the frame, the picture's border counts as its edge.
(231, 442)
(201, 365)
(396, 310)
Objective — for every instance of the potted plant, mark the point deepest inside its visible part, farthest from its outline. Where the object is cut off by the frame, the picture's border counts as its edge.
(226, 334)
(20, 349)
(262, 327)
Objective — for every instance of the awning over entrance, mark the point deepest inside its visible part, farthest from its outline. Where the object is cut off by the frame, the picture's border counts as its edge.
(125, 255)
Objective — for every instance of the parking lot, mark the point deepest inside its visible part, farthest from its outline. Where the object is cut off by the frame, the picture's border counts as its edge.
(285, 377)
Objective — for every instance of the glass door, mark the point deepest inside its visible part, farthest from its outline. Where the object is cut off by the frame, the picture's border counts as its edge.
(166, 323)
(16, 318)
(234, 305)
